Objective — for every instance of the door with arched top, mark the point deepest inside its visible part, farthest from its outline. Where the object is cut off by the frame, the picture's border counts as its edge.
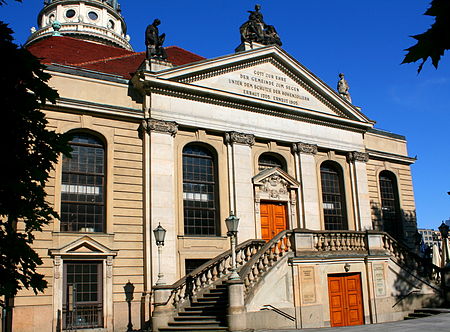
(273, 219)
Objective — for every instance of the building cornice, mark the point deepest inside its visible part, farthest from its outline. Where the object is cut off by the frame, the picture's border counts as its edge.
(380, 155)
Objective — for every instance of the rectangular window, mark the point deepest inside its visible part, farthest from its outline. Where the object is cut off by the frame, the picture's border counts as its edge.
(192, 264)
(83, 295)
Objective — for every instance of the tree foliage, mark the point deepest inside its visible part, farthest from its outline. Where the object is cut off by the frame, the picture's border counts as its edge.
(436, 40)
(28, 151)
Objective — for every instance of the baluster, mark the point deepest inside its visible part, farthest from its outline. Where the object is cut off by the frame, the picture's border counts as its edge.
(214, 273)
(323, 246)
(266, 260)
(261, 266)
(277, 252)
(208, 277)
(282, 247)
(221, 269)
(239, 258)
(248, 254)
(271, 257)
(288, 243)
(347, 241)
(332, 242)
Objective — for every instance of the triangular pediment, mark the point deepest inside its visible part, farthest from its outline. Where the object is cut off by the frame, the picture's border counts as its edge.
(273, 177)
(269, 76)
(85, 246)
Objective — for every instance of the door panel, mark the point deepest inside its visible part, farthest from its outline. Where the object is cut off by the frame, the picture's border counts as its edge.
(273, 219)
(345, 300)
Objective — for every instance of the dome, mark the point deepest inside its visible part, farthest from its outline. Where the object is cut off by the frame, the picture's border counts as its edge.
(99, 21)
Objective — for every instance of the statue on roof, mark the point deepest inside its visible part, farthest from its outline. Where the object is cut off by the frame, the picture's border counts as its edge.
(343, 88)
(256, 30)
(154, 41)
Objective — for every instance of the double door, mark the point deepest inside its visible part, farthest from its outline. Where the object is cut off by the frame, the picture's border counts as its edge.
(345, 295)
(273, 219)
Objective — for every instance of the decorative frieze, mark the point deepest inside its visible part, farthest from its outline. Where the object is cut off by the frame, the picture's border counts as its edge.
(160, 126)
(358, 156)
(240, 138)
(304, 148)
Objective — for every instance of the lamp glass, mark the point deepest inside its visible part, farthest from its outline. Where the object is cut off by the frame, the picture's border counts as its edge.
(232, 223)
(160, 234)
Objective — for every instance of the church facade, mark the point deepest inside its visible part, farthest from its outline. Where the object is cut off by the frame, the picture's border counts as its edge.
(181, 141)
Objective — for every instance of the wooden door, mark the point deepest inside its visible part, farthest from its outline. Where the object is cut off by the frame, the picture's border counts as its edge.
(273, 219)
(345, 299)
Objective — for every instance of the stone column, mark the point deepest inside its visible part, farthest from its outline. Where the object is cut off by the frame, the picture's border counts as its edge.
(360, 190)
(57, 292)
(236, 308)
(162, 195)
(242, 168)
(309, 191)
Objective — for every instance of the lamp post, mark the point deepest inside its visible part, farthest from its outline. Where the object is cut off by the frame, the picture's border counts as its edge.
(160, 234)
(232, 223)
(443, 229)
(129, 291)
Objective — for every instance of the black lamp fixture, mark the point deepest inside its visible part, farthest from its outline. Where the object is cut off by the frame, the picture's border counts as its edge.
(232, 223)
(443, 229)
(129, 295)
(160, 234)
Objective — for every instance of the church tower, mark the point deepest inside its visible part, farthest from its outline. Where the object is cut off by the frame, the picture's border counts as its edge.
(99, 21)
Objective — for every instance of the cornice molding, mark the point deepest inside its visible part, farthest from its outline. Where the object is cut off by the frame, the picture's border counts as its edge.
(233, 137)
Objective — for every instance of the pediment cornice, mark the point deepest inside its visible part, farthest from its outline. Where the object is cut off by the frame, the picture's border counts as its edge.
(85, 246)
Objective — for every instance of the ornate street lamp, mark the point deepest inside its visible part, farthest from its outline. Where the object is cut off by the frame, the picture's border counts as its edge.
(160, 234)
(129, 291)
(443, 229)
(232, 223)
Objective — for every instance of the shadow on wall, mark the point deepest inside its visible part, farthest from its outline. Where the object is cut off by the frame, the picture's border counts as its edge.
(401, 226)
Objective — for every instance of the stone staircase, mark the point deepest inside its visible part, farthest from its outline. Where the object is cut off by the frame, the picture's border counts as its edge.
(206, 313)
(426, 312)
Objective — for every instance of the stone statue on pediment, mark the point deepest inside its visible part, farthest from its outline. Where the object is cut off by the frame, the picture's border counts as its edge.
(343, 88)
(256, 30)
(154, 41)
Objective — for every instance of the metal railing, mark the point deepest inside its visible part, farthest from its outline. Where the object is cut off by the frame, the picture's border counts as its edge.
(83, 316)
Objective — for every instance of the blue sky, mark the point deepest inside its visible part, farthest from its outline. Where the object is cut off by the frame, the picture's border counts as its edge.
(363, 39)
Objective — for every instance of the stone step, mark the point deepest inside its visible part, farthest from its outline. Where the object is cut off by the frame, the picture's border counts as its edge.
(193, 329)
(195, 318)
(419, 315)
(434, 311)
(210, 323)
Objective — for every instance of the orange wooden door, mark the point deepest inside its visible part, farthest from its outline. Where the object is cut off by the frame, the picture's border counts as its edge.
(273, 219)
(345, 300)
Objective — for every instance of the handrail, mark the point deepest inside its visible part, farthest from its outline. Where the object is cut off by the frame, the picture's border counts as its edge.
(266, 257)
(209, 273)
(278, 311)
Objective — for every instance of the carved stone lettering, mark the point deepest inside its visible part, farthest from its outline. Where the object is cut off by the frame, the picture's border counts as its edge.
(235, 137)
(307, 280)
(358, 156)
(378, 280)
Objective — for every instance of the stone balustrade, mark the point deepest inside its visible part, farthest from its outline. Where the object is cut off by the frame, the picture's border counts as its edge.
(269, 254)
(205, 276)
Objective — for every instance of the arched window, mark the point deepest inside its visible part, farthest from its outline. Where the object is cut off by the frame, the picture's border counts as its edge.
(333, 196)
(83, 186)
(199, 191)
(269, 160)
(390, 207)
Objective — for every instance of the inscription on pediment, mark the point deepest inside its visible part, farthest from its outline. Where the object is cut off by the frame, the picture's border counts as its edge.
(268, 82)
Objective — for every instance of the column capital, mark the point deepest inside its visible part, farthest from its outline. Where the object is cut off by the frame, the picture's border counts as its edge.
(160, 126)
(240, 138)
(358, 156)
(306, 148)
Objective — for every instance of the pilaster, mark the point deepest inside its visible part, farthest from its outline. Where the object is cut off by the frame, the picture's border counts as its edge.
(360, 189)
(309, 189)
(242, 168)
(162, 194)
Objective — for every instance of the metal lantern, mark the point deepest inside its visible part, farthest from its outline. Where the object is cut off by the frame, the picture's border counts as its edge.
(160, 234)
(232, 223)
(443, 229)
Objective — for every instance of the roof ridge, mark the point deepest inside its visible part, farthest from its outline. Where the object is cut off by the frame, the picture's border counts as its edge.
(106, 59)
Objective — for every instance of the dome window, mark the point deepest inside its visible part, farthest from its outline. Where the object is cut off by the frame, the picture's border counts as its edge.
(111, 24)
(93, 16)
(70, 13)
